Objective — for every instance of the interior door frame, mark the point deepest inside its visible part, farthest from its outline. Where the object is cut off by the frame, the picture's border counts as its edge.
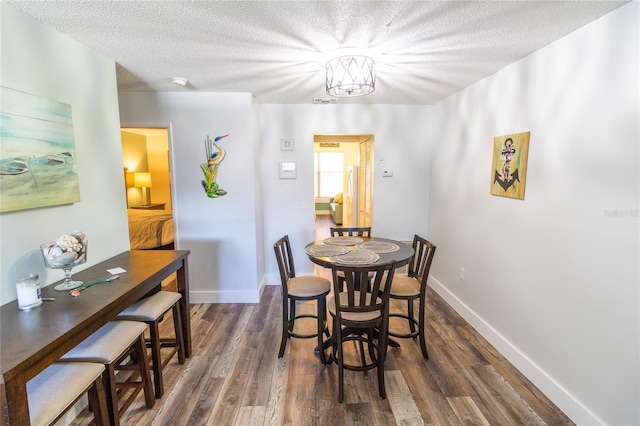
(356, 138)
(172, 170)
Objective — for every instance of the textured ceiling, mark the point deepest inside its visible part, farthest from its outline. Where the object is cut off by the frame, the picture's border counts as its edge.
(425, 50)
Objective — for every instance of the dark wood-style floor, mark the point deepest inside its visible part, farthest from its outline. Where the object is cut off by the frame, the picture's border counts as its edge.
(235, 377)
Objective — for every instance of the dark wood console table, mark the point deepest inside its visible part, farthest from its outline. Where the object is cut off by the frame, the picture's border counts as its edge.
(32, 340)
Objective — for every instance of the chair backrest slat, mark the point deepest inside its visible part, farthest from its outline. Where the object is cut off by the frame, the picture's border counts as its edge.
(421, 262)
(351, 232)
(370, 284)
(284, 256)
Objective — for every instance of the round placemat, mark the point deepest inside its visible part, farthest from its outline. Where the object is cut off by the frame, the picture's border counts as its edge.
(379, 246)
(356, 257)
(325, 250)
(343, 241)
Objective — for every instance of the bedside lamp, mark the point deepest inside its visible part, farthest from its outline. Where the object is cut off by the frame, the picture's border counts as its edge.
(143, 180)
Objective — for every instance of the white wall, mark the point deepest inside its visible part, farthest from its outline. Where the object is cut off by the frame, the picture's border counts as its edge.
(45, 63)
(401, 143)
(222, 233)
(552, 280)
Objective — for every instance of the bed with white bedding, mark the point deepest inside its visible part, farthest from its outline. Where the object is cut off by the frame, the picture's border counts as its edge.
(150, 229)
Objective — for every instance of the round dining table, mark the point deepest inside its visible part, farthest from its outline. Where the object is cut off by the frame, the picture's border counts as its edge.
(326, 253)
(380, 246)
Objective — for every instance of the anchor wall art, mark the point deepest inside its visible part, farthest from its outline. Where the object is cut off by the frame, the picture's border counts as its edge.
(509, 169)
(37, 152)
(210, 168)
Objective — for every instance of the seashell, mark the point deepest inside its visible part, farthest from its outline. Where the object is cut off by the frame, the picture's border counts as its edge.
(54, 252)
(65, 258)
(78, 235)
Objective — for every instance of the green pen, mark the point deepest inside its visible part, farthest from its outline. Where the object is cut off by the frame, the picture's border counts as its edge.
(76, 292)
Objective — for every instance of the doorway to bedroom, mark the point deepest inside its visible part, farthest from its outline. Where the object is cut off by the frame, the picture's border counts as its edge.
(147, 173)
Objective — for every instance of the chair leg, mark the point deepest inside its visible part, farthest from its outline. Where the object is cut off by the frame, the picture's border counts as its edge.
(371, 335)
(363, 359)
(109, 377)
(321, 315)
(177, 325)
(382, 355)
(140, 350)
(340, 355)
(292, 314)
(421, 328)
(97, 401)
(412, 326)
(156, 361)
(285, 327)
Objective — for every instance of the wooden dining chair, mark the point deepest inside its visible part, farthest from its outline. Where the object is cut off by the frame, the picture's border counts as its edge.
(361, 316)
(295, 289)
(351, 232)
(412, 286)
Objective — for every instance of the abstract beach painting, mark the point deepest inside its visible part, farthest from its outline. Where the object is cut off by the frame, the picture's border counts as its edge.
(37, 152)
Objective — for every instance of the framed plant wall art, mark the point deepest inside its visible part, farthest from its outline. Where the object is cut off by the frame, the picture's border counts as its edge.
(37, 152)
(509, 166)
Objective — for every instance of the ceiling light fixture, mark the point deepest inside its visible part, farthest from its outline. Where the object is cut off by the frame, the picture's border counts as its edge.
(350, 73)
(179, 81)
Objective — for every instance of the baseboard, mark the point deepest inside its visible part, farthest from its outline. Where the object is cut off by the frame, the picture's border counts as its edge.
(575, 410)
(246, 296)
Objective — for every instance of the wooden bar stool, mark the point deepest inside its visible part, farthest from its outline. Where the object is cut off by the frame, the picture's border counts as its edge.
(52, 392)
(412, 286)
(151, 311)
(361, 315)
(112, 345)
(304, 288)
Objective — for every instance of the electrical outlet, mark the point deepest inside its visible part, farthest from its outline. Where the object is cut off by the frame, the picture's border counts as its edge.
(461, 274)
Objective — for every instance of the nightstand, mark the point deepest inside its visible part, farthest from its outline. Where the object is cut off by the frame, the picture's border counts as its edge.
(158, 206)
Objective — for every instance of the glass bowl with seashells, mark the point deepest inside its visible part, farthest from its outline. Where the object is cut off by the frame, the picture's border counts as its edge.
(65, 253)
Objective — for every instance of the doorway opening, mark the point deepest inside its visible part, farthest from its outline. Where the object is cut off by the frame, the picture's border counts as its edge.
(352, 203)
(145, 158)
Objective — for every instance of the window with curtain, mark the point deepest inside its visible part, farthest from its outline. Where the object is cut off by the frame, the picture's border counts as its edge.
(329, 178)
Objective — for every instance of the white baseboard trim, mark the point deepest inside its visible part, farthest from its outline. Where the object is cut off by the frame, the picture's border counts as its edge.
(246, 296)
(573, 408)
(224, 296)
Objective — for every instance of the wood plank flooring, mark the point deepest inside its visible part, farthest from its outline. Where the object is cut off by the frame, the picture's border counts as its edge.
(235, 377)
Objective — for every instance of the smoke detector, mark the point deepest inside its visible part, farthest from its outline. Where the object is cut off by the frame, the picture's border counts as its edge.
(179, 81)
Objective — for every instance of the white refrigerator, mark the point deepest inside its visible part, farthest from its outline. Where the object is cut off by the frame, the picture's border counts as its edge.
(351, 199)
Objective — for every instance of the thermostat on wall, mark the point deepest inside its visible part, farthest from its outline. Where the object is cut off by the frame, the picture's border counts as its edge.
(287, 169)
(387, 173)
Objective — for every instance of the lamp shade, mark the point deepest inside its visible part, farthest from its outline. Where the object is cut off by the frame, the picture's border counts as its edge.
(351, 75)
(142, 180)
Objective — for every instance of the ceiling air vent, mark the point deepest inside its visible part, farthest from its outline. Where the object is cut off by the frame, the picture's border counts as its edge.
(324, 100)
